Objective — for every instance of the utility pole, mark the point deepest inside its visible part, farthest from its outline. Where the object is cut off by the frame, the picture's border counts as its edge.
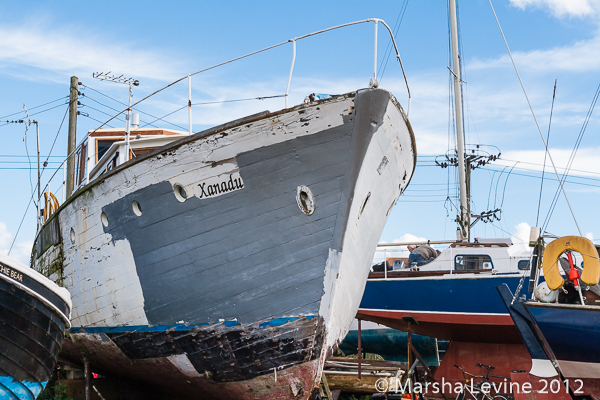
(474, 158)
(72, 141)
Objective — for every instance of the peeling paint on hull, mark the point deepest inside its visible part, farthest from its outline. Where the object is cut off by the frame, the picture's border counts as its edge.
(295, 382)
(291, 281)
(215, 358)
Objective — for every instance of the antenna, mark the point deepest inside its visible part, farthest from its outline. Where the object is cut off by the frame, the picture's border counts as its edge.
(118, 79)
(126, 81)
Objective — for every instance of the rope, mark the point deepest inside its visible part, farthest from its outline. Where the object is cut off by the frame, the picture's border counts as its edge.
(545, 154)
(535, 118)
(572, 156)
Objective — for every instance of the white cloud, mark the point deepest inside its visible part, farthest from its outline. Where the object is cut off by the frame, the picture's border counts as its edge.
(561, 8)
(521, 232)
(590, 235)
(581, 56)
(586, 163)
(397, 251)
(68, 51)
(21, 251)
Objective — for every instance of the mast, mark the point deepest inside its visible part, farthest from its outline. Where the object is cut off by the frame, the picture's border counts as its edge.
(464, 219)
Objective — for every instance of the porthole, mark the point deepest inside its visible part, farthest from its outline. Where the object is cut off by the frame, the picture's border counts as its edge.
(72, 235)
(137, 209)
(305, 200)
(104, 219)
(180, 192)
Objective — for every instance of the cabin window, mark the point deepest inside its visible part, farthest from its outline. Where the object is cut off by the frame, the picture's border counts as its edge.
(523, 265)
(104, 145)
(473, 262)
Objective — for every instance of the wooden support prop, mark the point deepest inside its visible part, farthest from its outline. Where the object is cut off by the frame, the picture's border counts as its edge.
(86, 372)
(426, 367)
(96, 390)
(326, 385)
(359, 349)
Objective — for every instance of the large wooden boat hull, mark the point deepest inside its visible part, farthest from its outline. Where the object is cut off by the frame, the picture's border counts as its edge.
(249, 277)
(33, 318)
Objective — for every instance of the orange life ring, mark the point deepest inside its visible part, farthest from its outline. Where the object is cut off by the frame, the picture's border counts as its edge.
(584, 246)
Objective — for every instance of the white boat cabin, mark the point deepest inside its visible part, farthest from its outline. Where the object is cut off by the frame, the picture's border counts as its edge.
(105, 149)
(495, 256)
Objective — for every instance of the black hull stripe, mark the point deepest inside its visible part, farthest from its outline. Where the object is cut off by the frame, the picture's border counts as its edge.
(49, 339)
(24, 374)
(18, 355)
(42, 318)
(32, 347)
(40, 289)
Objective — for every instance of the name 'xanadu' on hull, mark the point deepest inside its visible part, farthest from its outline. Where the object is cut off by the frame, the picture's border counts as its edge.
(231, 262)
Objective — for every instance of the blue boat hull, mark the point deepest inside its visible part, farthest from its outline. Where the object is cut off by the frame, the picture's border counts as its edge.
(573, 334)
(452, 307)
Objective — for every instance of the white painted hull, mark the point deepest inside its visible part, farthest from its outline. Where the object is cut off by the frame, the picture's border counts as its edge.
(238, 254)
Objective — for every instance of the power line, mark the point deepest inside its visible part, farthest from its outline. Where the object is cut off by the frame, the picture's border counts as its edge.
(54, 142)
(135, 109)
(33, 108)
(17, 155)
(554, 179)
(109, 107)
(100, 111)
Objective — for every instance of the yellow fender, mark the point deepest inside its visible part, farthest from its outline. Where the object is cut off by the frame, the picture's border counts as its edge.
(51, 205)
(584, 246)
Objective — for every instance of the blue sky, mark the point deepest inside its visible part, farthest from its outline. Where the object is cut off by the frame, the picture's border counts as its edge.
(43, 44)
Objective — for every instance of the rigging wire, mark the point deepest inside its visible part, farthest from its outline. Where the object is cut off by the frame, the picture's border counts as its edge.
(32, 190)
(120, 102)
(102, 112)
(54, 142)
(573, 153)
(97, 120)
(545, 154)
(387, 55)
(535, 118)
(214, 102)
(20, 224)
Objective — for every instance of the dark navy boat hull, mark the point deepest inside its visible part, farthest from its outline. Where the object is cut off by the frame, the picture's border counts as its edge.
(31, 333)
(573, 334)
